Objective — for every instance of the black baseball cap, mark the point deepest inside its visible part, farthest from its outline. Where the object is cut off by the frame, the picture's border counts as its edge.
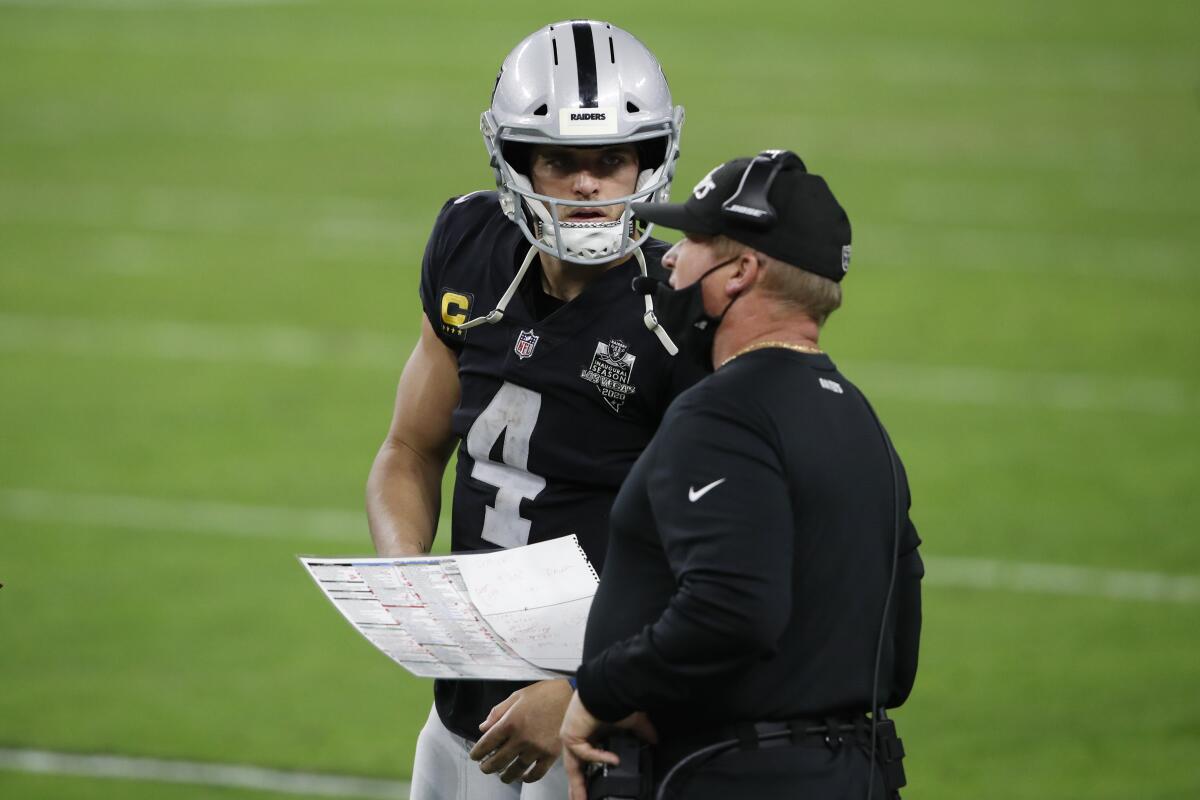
(771, 203)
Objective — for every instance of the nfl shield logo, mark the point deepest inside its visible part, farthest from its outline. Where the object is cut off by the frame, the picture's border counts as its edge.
(526, 341)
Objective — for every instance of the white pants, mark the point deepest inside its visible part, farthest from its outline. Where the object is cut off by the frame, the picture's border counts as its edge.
(442, 770)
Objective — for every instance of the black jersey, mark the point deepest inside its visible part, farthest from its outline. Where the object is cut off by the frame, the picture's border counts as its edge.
(750, 557)
(553, 411)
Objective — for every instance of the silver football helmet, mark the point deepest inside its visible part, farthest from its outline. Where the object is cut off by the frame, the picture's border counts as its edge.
(580, 82)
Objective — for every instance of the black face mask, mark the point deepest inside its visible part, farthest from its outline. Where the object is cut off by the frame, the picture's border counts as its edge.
(681, 313)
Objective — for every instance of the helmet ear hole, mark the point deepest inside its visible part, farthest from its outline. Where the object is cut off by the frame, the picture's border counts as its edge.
(541, 111)
(631, 108)
(651, 152)
(519, 156)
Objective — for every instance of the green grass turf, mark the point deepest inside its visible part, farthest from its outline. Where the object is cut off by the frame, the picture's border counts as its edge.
(1021, 181)
(167, 650)
(61, 788)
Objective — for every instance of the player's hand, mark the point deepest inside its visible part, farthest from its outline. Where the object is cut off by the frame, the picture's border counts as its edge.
(580, 728)
(520, 735)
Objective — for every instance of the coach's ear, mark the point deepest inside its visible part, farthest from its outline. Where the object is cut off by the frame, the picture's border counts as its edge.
(747, 268)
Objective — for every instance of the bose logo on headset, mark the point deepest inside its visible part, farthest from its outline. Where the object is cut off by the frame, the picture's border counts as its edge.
(740, 209)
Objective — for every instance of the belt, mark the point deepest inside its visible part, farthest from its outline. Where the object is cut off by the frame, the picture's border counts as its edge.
(682, 759)
(831, 732)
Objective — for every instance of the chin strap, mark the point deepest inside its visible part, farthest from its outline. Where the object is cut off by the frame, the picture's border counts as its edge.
(650, 318)
(497, 313)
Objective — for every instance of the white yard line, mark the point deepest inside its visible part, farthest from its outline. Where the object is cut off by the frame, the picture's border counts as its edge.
(197, 210)
(349, 527)
(1019, 389)
(183, 516)
(240, 776)
(951, 233)
(964, 245)
(275, 345)
(1064, 579)
(302, 347)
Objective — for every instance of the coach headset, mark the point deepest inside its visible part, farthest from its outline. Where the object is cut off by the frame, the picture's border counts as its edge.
(749, 205)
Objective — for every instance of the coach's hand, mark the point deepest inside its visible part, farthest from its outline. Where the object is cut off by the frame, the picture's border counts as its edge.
(520, 735)
(580, 728)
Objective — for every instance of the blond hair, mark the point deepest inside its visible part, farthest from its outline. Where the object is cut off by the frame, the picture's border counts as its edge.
(815, 295)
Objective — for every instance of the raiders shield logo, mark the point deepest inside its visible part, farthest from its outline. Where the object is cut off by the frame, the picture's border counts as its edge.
(611, 366)
(526, 341)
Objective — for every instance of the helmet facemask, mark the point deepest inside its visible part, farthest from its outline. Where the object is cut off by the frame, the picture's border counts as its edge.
(585, 241)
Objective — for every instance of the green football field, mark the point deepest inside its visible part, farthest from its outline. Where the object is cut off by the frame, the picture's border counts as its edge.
(211, 219)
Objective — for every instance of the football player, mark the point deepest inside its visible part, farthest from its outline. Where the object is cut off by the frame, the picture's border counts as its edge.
(538, 360)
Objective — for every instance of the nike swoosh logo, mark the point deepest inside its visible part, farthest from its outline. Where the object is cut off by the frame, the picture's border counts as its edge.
(696, 494)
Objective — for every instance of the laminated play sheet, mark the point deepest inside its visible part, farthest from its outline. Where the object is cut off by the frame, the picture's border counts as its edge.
(516, 614)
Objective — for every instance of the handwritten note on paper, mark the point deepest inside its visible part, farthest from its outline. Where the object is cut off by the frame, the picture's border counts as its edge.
(550, 637)
(536, 598)
(537, 575)
(505, 615)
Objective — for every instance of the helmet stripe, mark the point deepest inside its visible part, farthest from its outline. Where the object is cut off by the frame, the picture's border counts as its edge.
(585, 62)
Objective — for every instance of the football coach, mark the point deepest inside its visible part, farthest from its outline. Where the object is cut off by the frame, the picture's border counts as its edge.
(760, 604)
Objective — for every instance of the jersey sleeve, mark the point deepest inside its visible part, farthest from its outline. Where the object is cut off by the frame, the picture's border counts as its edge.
(720, 501)
(431, 289)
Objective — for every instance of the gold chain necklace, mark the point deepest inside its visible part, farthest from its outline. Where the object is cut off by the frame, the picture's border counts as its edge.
(799, 348)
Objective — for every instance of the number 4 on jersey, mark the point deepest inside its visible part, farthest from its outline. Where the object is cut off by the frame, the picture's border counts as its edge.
(512, 413)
